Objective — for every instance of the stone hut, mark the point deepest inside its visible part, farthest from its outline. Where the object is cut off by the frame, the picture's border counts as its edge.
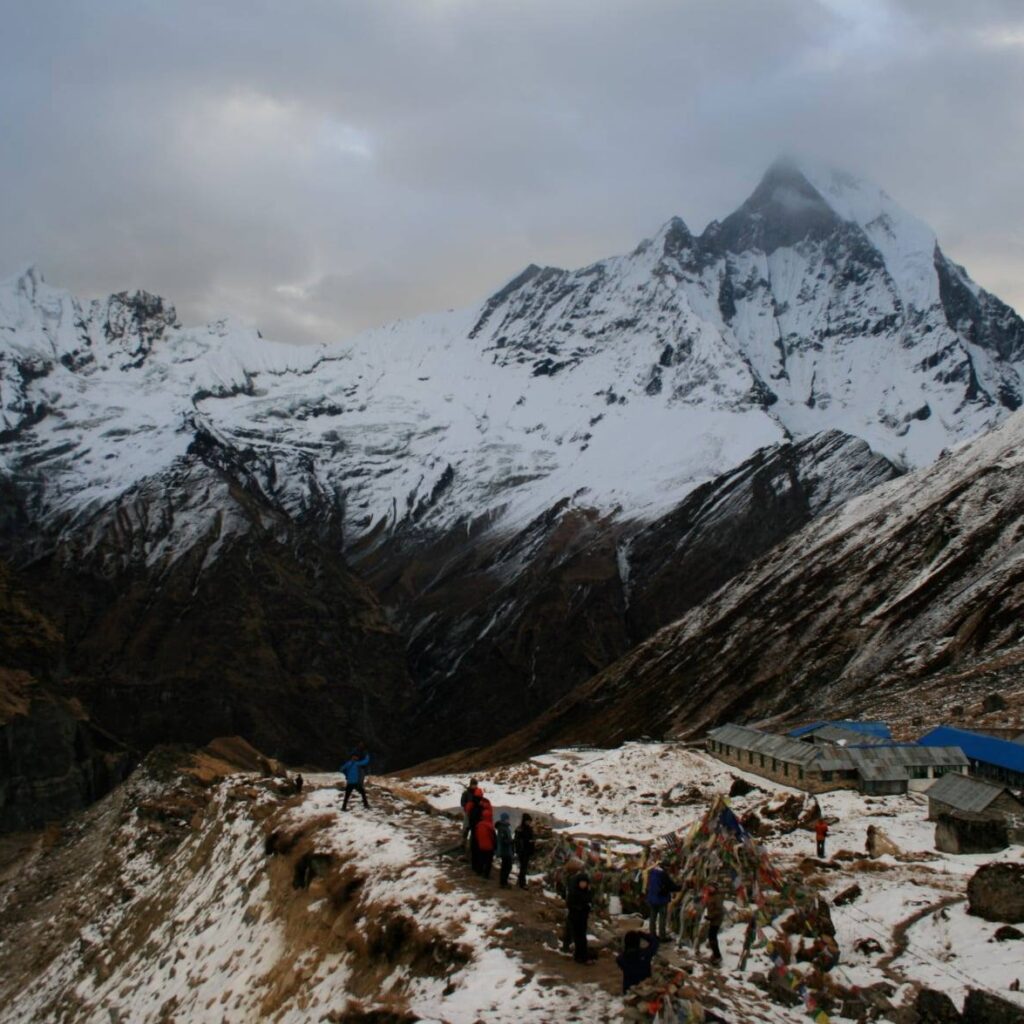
(973, 798)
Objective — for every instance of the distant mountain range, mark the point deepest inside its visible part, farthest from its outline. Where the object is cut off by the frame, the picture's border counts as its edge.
(427, 535)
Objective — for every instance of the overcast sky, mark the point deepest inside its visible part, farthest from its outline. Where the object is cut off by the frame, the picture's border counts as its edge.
(318, 166)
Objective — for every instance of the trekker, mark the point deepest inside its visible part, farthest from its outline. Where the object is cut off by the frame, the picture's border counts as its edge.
(635, 960)
(578, 900)
(354, 770)
(525, 847)
(820, 832)
(298, 783)
(471, 808)
(504, 848)
(659, 894)
(466, 798)
(714, 909)
(484, 836)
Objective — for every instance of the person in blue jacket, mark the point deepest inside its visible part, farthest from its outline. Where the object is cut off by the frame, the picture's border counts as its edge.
(354, 770)
(659, 894)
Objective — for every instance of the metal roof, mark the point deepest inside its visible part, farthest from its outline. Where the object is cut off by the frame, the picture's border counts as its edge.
(910, 755)
(780, 747)
(884, 773)
(978, 747)
(829, 757)
(965, 793)
(869, 728)
(839, 735)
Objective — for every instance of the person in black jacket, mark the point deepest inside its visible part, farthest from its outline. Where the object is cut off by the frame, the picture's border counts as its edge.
(525, 845)
(578, 900)
(635, 960)
(466, 798)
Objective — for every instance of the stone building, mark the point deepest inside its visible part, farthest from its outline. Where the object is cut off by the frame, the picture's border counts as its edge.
(818, 765)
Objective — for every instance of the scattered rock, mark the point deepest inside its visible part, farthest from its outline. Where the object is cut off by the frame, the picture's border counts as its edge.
(986, 1008)
(869, 947)
(1007, 932)
(848, 895)
(740, 787)
(936, 1008)
(878, 844)
(993, 702)
(996, 893)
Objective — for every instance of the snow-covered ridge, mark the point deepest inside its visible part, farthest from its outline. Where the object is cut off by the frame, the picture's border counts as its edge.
(817, 305)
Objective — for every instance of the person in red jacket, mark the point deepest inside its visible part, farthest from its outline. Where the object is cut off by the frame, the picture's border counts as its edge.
(820, 831)
(484, 839)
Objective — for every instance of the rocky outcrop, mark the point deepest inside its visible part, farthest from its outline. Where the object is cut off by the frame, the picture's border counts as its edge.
(983, 1007)
(996, 893)
(53, 760)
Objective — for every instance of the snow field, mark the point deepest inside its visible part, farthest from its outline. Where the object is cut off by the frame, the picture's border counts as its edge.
(616, 794)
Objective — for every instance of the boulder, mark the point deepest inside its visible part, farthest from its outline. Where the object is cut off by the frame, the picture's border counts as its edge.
(1008, 933)
(996, 893)
(987, 1008)
(848, 895)
(936, 1008)
(740, 787)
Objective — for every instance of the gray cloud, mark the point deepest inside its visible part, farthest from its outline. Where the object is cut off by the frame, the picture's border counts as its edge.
(324, 165)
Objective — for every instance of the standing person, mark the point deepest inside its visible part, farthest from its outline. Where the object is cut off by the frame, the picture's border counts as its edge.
(354, 770)
(466, 798)
(714, 908)
(471, 809)
(820, 832)
(578, 901)
(525, 847)
(574, 868)
(504, 848)
(484, 834)
(659, 894)
(635, 960)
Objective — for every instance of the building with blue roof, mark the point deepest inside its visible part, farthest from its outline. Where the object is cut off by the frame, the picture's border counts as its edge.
(877, 729)
(990, 758)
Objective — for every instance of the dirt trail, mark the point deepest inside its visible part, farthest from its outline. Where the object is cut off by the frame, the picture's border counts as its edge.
(529, 922)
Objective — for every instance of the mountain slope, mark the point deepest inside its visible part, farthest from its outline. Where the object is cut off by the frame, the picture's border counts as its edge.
(903, 600)
(507, 477)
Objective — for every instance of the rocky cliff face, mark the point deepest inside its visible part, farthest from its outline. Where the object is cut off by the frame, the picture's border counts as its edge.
(529, 486)
(53, 759)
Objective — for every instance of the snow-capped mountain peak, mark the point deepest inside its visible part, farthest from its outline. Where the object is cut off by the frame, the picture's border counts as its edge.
(818, 304)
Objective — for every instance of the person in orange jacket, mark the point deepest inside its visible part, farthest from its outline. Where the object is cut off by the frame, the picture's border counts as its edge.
(820, 831)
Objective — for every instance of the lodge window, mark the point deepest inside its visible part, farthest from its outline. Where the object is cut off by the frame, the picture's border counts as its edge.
(761, 756)
(826, 776)
(785, 769)
(799, 773)
(918, 772)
